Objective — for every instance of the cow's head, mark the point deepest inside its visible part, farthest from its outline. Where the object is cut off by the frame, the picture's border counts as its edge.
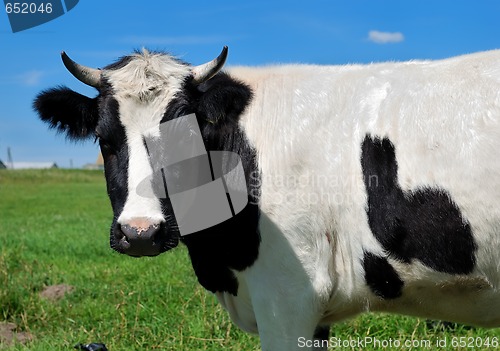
(136, 94)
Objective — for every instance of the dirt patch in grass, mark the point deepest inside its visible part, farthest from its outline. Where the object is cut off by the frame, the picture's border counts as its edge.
(9, 333)
(56, 292)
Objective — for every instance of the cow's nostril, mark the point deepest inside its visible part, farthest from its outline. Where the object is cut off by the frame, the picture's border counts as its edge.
(124, 243)
(128, 231)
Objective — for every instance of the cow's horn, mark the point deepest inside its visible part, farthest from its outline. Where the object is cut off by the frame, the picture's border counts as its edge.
(87, 75)
(204, 72)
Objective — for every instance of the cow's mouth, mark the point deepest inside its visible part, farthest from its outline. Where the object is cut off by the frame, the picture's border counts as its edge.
(150, 241)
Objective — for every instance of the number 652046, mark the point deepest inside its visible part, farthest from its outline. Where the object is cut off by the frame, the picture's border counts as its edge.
(28, 7)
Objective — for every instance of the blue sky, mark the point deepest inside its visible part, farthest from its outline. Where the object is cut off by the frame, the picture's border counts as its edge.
(95, 33)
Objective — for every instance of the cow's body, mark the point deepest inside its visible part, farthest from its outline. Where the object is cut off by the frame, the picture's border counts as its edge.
(378, 189)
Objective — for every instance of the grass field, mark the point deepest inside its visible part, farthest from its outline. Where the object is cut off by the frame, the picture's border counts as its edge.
(54, 230)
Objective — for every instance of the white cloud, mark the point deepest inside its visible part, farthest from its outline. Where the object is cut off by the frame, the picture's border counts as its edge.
(30, 78)
(385, 37)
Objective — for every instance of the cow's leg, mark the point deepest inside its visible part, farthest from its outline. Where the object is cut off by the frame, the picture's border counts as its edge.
(283, 328)
(321, 335)
(287, 292)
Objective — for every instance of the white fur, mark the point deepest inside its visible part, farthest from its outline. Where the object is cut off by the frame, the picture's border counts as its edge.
(307, 124)
(143, 89)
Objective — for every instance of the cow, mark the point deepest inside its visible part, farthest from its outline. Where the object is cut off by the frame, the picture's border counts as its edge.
(369, 187)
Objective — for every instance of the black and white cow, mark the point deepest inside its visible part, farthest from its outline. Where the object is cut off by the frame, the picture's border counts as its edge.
(370, 187)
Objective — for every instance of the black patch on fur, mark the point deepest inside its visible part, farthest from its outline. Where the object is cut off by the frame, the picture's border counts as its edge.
(322, 332)
(68, 112)
(423, 224)
(381, 277)
(233, 244)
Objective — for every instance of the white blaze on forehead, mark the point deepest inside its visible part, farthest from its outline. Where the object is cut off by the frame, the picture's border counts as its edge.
(143, 89)
(139, 169)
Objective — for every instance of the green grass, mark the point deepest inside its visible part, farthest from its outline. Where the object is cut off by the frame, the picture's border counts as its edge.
(54, 229)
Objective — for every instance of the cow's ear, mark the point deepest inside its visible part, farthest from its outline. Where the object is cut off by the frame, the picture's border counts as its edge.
(68, 112)
(223, 99)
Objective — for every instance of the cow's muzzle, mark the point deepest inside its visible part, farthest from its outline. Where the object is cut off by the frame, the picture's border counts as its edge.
(139, 237)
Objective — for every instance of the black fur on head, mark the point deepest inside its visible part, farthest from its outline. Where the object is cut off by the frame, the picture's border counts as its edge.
(233, 244)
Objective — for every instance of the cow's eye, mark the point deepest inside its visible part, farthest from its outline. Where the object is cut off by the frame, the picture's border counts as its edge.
(100, 139)
(102, 142)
